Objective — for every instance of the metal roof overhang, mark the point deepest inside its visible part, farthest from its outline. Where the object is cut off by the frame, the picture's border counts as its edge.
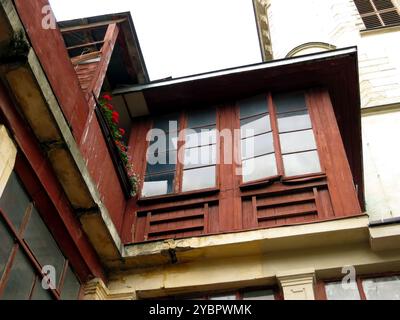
(336, 70)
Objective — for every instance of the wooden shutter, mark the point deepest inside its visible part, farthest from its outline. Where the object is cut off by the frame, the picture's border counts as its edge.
(377, 13)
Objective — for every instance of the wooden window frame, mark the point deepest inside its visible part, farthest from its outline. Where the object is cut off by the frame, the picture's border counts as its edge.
(377, 13)
(320, 286)
(179, 168)
(238, 293)
(280, 176)
(21, 244)
(271, 109)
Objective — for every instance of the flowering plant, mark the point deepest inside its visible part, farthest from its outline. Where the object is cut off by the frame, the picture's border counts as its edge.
(112, 119)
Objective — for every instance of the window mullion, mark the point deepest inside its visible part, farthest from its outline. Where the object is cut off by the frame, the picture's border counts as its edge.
(63, 276)
(377, 12)
(8, 266)
(360, 288)
(275, 135)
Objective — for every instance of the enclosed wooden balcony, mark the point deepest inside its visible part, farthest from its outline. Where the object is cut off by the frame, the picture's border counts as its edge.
(305, 150)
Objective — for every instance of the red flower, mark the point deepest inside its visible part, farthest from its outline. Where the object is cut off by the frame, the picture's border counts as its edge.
(122, 131)
(115, 117)
(107, 97)
(109, 106)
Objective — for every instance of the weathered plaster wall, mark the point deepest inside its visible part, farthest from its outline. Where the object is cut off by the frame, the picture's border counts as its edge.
(237, 272)
(381, 133)
(337, 22)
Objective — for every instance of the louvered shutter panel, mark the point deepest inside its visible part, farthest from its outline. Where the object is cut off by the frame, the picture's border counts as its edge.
(377, 13)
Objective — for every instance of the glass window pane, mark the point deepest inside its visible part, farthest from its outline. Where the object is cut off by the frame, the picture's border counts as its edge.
(258, 168)
(20, 280)
(381, 5)
(386, 288)
(336, 291)
(259, 295)
(197, 179)
(163, 143)
(258, 145)
(39, 293)
(253, 106)
(14, 201)
(200, 156)
(42, 244)
(163, 122)
(158, 184)
(71, 287)
(294, 121)
(289, 102)
(6, 245)
(161, 162)
(200, 137)
(223, 297)
(301, 163)
(297, 141)
(255, 125)
(202, 118)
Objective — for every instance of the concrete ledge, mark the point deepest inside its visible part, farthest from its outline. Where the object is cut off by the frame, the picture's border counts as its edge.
(318, 234)
(385, 237)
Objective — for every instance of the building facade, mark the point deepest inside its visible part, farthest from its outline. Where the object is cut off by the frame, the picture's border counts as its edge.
(269, 181)
(372, 26)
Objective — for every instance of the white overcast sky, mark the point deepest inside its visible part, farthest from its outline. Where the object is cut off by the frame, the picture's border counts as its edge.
(181, 37)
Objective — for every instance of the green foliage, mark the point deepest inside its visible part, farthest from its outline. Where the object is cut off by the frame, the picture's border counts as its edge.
(112, 117)
(17, 49)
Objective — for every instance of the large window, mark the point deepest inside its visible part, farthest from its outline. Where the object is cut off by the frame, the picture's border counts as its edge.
(296, 136)
(160, 175)
(26, 247)
(381, 288)
(377, 13)
(257, 144)
(195, 169)
(200, 150)
(277, 138)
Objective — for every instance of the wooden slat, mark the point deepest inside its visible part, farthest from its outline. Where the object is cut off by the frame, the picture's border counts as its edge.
(84, 45)
(178, 205)
(285, 203)
(287, 215)
(183, 216)
(89, 26)
(85, 57)
(163, 231)
(278, 189)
